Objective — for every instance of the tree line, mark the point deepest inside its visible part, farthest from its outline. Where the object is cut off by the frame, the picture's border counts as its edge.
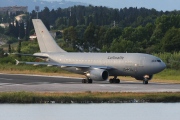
(103, 29)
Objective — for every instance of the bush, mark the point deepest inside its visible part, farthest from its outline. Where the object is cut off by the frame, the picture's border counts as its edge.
(172, 60)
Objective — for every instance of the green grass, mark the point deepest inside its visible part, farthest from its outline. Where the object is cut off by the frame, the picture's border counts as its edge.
(29, 68)
(87, 97)
(168, 74)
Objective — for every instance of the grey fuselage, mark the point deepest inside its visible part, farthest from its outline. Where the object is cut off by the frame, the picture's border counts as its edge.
(123, 64)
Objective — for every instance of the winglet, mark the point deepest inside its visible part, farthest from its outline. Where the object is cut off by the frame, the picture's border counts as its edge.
(17, 62)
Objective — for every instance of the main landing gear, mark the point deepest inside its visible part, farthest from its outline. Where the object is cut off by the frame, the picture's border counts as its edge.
(87, 81)
(114, 80)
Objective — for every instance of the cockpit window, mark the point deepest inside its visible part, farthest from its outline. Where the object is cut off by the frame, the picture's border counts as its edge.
(156, 60)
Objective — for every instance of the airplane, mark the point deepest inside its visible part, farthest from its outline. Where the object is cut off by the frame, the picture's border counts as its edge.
(95, 66)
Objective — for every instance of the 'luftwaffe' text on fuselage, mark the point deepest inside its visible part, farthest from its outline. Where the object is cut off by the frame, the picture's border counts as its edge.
(114, 57)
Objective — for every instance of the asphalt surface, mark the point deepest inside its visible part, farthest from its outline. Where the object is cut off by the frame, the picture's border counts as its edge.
(35, 83)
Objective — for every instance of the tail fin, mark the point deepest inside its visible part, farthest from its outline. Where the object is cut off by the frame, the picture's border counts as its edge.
(45, 40)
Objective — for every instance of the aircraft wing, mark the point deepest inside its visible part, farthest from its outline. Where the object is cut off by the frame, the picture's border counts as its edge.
(63, 65)
(31, 55)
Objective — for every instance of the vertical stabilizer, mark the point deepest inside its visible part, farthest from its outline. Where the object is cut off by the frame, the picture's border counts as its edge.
(45, 40)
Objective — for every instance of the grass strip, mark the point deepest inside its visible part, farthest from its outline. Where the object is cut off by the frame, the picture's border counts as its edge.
(88, 97)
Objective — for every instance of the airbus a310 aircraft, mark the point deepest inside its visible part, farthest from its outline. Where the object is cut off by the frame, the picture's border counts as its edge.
(95, 66)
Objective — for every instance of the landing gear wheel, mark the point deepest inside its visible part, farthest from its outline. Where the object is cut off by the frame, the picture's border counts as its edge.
(84, 80)
(114, 81)
(145, 82)
(111, 81)
(89, 80)
(117, 80)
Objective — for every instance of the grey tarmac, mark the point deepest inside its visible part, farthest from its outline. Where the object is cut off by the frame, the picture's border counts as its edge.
(38, 83)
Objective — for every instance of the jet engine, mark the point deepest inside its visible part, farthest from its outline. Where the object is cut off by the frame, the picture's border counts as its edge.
(98, 74)
(145, 77)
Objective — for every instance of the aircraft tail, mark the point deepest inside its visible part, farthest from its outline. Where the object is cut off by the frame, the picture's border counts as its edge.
(45, 40)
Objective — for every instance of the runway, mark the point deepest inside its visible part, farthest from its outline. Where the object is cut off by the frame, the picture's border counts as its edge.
(37, 83)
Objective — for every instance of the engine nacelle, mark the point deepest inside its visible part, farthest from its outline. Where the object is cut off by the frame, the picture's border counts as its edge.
(98, 75)
(147, 77)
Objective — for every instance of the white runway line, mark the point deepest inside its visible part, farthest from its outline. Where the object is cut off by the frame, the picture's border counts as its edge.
(42, 76)
(6, 79)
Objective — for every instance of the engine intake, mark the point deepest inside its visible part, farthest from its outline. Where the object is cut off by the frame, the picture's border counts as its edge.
(98, 75)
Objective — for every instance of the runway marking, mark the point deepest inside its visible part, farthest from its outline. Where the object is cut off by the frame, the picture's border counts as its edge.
(5, 79)
(5, 84)
(36, 83)
(110, 86)
(42, 76)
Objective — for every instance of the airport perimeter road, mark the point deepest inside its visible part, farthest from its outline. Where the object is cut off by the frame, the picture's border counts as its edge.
(35, 83)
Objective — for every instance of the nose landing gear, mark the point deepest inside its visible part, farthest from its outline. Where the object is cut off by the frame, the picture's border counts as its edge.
(146, 78)
(145, 82)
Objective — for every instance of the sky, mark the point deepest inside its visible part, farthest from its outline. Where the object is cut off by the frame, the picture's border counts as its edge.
(165, 5)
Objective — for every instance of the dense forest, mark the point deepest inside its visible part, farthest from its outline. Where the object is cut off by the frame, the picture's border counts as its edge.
(103, 29)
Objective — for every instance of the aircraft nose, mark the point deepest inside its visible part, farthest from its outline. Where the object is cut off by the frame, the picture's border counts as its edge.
(163, 66)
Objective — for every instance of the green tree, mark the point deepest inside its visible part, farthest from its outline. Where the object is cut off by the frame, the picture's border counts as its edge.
(70, 36)
(111, 34)
(60, 23)
(73, 20)
(122, 45)
(171, 40)
(2, 30)
(90, 36)
(101, 39)
(45, 14)
(1, 52)
(127, 33)
(80, 33)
